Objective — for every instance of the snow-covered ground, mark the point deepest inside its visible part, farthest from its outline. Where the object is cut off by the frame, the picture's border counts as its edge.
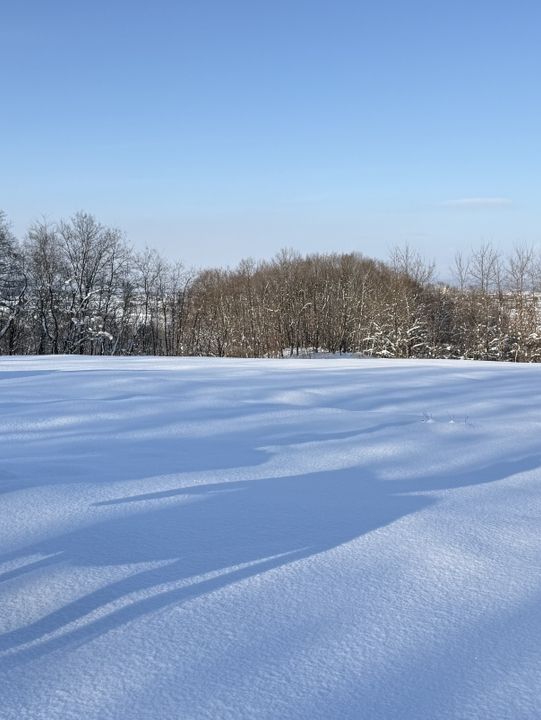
(204, 538)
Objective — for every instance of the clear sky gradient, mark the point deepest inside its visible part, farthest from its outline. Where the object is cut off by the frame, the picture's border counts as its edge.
(215, 130)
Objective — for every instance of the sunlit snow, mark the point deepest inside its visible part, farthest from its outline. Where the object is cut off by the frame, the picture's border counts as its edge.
(274, 539)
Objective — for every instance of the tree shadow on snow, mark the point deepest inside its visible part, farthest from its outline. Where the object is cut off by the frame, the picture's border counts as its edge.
(101, 456)
(216, 535)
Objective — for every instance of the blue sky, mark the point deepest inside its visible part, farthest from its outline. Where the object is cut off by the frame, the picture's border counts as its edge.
(218, 130)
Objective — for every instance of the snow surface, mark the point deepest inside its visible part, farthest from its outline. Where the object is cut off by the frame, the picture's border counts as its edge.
(205, 538)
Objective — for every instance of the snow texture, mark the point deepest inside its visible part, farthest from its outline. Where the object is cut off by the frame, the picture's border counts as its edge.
(274, 539)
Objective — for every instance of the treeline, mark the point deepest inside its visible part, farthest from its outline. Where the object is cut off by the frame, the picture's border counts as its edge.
(76, 287)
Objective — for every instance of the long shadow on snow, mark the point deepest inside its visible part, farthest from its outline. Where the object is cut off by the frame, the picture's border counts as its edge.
(80, 458)
(265, 523)
(29, 462)
(261, 524)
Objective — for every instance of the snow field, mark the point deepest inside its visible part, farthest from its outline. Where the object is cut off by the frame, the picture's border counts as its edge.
(207, 538)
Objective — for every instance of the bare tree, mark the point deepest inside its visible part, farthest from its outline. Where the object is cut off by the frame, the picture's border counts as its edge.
(522, 285)
(13, 283)
(95, 256)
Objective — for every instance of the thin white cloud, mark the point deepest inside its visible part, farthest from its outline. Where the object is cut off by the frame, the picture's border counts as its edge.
(479, 202)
